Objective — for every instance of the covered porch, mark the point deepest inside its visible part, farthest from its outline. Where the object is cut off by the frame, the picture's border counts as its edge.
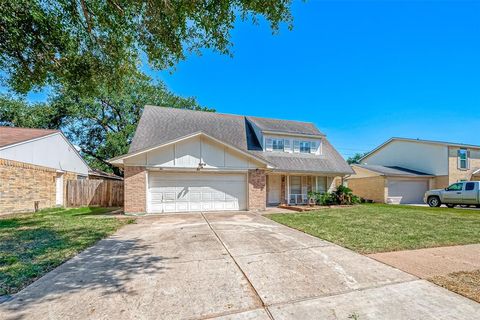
(293, 189)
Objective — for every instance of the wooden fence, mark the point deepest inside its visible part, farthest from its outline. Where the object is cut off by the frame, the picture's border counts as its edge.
(103, 193)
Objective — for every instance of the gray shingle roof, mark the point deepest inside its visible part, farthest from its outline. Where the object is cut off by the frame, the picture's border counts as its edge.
(393, 170)
(159, 125)
(285, 126)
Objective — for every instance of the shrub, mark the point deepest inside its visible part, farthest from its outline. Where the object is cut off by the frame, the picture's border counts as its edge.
(341, 196)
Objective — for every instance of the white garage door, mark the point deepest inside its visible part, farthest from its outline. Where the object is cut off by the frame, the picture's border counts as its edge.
(179, 192)
(407, 191)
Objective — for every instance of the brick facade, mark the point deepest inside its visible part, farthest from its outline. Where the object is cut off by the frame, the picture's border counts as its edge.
(257, 190)
(135, 179)
(21, 184)
(371, 188)
(440, 182)
(455, 174)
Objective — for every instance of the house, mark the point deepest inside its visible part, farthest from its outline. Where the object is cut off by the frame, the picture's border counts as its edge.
(401, 170)
(183, 160)
(34, 164)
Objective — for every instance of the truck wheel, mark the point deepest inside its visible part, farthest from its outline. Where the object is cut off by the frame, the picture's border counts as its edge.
(450, 205)
(434, 201)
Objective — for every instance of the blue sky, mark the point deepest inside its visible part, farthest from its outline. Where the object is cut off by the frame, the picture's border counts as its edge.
(362, 71)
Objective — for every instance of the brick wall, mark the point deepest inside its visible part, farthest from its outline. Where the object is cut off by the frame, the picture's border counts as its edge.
(135, 184)
(21, 184)
(371, 188)
(257, 190)
(440, 182)
(456, 174)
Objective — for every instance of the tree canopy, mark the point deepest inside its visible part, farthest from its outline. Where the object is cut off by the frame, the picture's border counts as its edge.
(82, 44)
(102, 126)
(355, 159)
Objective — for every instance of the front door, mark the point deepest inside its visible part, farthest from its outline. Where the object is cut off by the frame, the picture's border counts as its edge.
(274, 189)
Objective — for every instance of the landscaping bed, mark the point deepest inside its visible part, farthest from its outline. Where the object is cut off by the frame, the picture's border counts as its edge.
(33, 244)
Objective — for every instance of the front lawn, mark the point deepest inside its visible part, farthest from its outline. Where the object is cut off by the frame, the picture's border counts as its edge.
(33, 244)
(372, 228)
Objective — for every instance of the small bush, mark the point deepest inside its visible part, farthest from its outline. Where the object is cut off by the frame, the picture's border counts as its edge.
(341, 196)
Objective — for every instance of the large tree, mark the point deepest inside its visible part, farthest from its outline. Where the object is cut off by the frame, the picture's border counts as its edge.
(102, 126)
(355, 159)
(83, 44)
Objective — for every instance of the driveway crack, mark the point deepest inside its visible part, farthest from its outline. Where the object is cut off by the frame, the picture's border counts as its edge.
(259, 298)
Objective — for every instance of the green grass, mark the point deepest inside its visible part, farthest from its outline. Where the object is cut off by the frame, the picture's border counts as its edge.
(33, 244)
(374, 228)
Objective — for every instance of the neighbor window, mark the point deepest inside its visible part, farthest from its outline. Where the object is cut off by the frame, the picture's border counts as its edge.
(463, 159)
(455, 187)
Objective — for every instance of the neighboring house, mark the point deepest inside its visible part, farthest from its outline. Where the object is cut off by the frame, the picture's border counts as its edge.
(182, 160)
(96, 174)
(34, 165)
(401, 170)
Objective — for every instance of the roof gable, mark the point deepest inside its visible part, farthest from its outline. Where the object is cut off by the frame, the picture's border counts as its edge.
(13, 135)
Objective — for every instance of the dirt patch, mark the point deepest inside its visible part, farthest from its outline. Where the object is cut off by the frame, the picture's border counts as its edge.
(465, 283)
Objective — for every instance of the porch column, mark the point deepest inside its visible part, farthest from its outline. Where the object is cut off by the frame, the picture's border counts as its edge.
(283, 190)
(288, 189)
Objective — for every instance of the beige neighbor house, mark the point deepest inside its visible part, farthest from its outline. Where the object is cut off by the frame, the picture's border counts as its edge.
(182, 160)
(401, 170)
(34, 165)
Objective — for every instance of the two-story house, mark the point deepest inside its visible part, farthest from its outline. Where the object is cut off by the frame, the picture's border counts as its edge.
(401, 170)
(183, 160)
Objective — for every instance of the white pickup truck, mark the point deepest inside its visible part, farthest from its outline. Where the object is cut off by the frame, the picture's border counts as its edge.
(460, 193)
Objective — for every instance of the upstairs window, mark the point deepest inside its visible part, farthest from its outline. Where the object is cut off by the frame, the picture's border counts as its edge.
(272, 144)
(463, 156)
(277, 144)
(305, 146)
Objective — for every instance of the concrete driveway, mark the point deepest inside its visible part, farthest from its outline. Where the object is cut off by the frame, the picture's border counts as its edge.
(228, 266)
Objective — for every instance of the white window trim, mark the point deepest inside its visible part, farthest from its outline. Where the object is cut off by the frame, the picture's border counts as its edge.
(459, 160)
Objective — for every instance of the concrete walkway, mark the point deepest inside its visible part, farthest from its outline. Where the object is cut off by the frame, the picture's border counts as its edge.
(427, 263)
(228, 266)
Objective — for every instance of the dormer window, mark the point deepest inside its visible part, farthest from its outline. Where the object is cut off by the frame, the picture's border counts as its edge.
(305, 147)
(273, 144)
(277, 144)
(291, 145)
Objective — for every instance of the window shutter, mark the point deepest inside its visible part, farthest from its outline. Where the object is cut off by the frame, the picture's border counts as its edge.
(459, 159)
(296, 146)
(269, 144)
(468, 159)
(286, 145)
(313, 147)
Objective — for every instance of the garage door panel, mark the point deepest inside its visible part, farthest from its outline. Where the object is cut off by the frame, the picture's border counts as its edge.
(169, 192)
(407, 191)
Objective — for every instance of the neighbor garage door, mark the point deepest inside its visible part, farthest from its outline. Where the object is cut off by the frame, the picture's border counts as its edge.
(407, 191)
(179, 192)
